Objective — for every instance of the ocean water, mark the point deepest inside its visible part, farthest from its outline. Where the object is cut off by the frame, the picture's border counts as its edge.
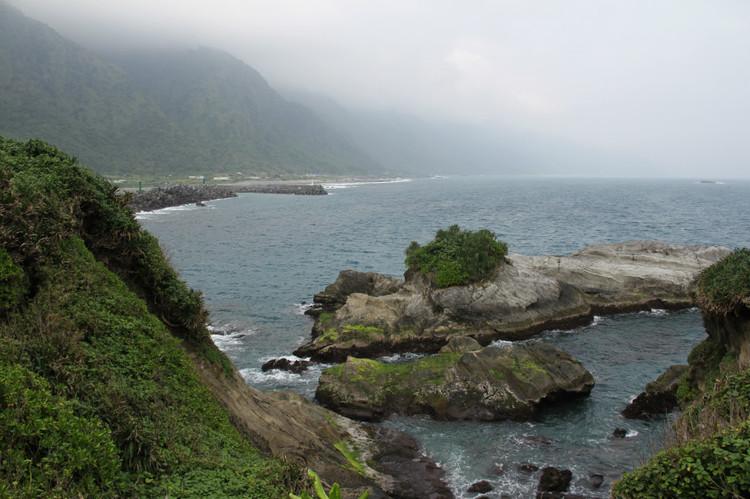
(259, 259)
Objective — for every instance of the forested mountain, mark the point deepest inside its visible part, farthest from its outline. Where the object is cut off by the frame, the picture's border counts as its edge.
(180, 111)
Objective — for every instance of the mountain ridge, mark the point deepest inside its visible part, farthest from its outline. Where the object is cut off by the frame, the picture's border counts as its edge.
(181, 111)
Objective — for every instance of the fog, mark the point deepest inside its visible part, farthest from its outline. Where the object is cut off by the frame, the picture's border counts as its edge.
(658, 88)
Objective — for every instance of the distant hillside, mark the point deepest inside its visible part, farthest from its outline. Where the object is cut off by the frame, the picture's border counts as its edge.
(189, 111)
(408, 144)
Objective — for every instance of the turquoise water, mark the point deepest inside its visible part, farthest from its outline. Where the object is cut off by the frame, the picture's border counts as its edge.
(258, 257)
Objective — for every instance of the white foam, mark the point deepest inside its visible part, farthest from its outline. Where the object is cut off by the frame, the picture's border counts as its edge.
(502, 343)
(654, 312)
(230, 336)
(347, 185)
(631, 434)
(400, 357)
(301, 308)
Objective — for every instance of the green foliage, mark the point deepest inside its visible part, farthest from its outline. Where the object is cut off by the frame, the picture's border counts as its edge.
(47, 449)
(184, 111)
(106, 326)
(724, 404)
(716, 467)
(12, 282)
(320, 493)
(352, 456)
(457, 257)
(725, 285)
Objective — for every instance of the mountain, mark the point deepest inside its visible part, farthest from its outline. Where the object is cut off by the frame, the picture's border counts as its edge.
(179, 111)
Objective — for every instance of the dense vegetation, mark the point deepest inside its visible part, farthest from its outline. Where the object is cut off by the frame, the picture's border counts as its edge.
(99, 395)
(726, 285)
(456, 257)
(711, 452)
(191, 111)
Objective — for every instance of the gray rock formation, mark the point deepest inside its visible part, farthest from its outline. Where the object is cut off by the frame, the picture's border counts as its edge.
(489, 384)
(368, 315)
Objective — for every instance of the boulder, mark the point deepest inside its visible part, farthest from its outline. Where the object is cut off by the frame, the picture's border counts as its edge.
(480, 487)
(620, 433)
(528, 467)
(490, 384)
(369, 315)
(596, 480)
(660, 396)
(282, 364)
(553, 482)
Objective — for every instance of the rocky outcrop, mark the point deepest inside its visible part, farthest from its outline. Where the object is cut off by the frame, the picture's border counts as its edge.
(176, 195)
(489, 384)
(659, 397)
(632, 275)
(523, 297)
(358, 456)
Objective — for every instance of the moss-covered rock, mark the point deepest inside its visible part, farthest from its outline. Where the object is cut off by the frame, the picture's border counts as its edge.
(488, 384)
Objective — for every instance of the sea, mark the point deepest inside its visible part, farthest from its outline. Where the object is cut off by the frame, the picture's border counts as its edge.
(258, 259)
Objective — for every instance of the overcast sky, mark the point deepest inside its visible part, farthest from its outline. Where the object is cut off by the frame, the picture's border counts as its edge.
(662, 81)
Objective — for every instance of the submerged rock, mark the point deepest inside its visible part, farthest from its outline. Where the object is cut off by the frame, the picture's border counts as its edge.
(368, 315)
(528, 467)
(660, 396)
(596, 480)
(490, 384)
(620, 433)
(553, 482)
(480, 487)
(282, 364)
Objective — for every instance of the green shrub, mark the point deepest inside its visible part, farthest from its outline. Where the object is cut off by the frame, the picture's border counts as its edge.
(457, 257)
(12, 282)
(717, 467)
(47, 449)
(725, 285)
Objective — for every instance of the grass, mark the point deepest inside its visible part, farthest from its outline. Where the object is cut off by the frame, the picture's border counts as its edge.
(725, 285)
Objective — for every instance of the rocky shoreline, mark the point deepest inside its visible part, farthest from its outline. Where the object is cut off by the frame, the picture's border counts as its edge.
(176, 195)
(294, 189)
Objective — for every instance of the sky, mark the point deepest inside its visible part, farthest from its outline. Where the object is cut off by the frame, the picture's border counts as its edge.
(662, 83)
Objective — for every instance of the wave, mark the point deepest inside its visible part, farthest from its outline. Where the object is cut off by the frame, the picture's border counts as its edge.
(230, 336)
(301, 308)
(347, 185)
